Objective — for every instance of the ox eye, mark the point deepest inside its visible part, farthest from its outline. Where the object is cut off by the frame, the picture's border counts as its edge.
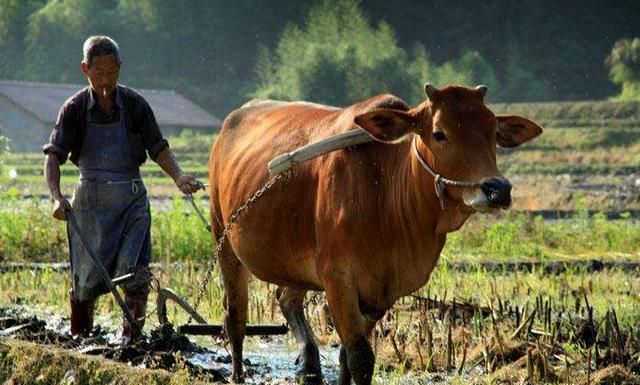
(439, 136)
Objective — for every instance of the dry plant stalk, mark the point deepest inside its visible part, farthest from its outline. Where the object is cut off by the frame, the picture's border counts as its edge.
(589, 366)
(449, 365)
(530, 367)
(395, 346)
(464, 359)
(430, 365)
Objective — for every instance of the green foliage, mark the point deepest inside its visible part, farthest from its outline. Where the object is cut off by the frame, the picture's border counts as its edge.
(518, 81)
(29, 233)
(209, 50)
(13, 21)
(339, 57)
(520, 236)
(178, 234)
(624, 67)
(197, 49)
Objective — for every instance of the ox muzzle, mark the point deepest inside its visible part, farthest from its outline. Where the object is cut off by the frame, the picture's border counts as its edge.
(487, 195)
(493, 193)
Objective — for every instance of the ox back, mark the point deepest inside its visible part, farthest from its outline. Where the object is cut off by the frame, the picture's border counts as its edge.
(335, 212)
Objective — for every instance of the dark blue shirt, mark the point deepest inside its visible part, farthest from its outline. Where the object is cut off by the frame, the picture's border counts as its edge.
(143, 133)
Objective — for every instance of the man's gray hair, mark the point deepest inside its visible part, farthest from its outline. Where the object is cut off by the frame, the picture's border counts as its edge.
(99, 46)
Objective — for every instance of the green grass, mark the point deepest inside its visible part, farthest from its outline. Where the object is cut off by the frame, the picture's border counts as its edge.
(578, 151)
(28, 233)
(581, 139)
(192, 152)
(28, 363)
(605, 289)
(521, 237)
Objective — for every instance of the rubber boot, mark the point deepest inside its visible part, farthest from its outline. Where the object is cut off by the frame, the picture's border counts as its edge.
(135, 296)
(81, 316)
(137, 304)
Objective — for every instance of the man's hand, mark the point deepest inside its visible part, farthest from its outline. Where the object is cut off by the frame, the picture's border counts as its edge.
(52, 176)
(60, 206)
(188, 184)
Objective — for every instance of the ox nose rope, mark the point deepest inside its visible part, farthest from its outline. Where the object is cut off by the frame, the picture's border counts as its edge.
(439, 182)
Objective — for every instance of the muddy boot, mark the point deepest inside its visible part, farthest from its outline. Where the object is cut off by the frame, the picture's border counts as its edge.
(81, 316)
(135, 296)
(137, 304)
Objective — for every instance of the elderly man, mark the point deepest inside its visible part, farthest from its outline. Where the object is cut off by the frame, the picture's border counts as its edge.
(107, 130)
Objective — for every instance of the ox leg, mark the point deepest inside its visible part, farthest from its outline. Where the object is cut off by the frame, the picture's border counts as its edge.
(345, 374)
(350, 325)
(291, 304)
(236, 286)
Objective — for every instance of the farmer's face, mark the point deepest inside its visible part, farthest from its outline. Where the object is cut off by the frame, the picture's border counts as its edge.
(102, 74)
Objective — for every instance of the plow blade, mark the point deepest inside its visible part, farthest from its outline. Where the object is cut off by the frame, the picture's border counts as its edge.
(202, 328)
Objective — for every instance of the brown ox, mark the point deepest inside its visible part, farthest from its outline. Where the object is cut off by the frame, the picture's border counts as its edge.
(363, 224)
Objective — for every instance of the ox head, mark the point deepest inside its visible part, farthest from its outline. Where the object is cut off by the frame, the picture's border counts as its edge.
(456, 142)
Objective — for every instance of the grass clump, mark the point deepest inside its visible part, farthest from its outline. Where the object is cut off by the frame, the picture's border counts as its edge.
(28, 363)
(28, 233)
(521, 236)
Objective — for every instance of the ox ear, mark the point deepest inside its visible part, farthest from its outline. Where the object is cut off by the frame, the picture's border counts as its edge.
(387, 125)
(514, 130)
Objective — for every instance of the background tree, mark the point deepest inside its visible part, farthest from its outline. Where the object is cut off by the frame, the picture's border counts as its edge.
(14, 16)
(209, 49)
(339, 57)
(624, 67)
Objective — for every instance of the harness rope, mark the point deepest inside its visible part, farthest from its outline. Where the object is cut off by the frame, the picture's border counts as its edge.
(439, 182)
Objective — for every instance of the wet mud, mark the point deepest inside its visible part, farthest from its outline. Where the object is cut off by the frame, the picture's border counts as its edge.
(503, 342)
(268, 360)
(161, 349)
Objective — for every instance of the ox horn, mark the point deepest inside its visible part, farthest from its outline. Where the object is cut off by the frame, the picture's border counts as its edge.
(482, 88)
(430, 90)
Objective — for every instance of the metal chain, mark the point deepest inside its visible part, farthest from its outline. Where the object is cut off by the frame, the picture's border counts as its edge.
(233, 219)
(439, 178)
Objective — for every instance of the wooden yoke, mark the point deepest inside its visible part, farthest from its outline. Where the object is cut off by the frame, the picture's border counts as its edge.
(288, 160)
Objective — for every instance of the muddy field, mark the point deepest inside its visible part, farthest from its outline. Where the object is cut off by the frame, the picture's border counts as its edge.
(163, 351)
(548, 293)
(493, 311)
(582, 329)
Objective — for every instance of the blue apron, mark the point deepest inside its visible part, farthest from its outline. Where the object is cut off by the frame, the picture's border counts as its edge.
(111, 207)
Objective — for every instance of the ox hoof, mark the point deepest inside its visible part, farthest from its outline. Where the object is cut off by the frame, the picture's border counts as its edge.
(361, 360)
(309, 378)
(237, 378)
(308, 362)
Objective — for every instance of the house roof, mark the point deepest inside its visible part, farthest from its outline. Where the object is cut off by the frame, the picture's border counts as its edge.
(43, 100)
